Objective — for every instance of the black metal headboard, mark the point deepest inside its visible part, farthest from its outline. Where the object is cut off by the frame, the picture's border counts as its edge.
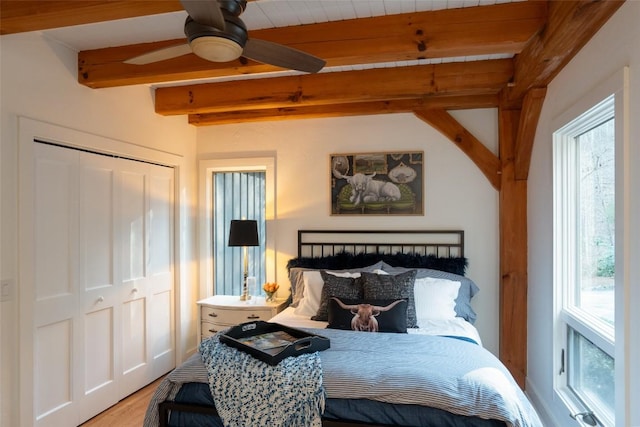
(321, 243)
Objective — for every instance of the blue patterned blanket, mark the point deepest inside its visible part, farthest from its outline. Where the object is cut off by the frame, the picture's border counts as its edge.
(248, 392)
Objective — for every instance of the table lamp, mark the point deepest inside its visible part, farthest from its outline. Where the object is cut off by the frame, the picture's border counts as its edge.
(244, 233)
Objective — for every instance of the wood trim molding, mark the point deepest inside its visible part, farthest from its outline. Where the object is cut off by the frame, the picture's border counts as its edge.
(487, 162)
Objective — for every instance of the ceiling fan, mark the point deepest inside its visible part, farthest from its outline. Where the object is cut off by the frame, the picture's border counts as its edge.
(216, 33)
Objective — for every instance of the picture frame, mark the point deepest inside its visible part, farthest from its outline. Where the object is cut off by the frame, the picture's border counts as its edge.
(377, 183)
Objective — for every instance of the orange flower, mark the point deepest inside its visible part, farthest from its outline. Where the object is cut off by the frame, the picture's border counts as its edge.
(270, 287)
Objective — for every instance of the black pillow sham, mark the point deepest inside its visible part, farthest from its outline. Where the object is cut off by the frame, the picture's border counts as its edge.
(388, 286)
(334, 286)
(368, 315)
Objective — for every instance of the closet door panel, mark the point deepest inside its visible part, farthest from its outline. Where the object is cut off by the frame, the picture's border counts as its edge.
(160, 268)
(56, 337)
(54, 402)
(99, 351)
(99, 293)
(133, 241)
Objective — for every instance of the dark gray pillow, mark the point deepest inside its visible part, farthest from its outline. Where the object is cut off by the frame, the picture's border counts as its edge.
(392, 286)
(334, 286)
(296, 279)
(467, 288)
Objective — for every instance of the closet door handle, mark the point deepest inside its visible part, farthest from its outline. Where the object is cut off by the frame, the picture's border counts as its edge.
(100, 299)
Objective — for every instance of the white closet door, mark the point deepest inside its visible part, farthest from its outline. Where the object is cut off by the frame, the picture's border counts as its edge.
(160, 270)
(134, 295)
(55, 297)
(146, 236)
(98, 308)
(100, 300)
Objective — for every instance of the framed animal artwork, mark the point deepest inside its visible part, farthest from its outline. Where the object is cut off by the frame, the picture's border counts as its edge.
(377, 183)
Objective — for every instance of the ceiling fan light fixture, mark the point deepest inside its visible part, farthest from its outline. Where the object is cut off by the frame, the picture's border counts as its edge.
(216, 49)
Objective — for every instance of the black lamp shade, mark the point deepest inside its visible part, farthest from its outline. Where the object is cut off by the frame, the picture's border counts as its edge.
(243, 233)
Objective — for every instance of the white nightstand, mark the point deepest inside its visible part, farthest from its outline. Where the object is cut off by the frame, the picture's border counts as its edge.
(221, 311)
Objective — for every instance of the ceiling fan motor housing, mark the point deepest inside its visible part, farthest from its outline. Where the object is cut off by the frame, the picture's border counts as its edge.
(235, 7)
(217, 45)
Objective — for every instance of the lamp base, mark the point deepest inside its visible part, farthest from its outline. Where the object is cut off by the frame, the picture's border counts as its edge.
(245, 291)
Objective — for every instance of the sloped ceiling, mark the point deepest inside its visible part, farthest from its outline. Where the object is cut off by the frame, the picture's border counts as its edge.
(440, 54)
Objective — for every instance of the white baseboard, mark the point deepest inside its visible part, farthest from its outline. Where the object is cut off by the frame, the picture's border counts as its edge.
(540, 406)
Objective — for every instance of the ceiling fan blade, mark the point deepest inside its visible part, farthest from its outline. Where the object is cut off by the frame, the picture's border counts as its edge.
(282, 56)
(205, 12)
(160, 54)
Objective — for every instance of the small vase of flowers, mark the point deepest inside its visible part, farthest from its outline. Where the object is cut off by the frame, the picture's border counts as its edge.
(270, 289)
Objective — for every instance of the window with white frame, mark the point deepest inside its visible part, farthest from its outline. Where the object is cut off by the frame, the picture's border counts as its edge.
(584, 262)
(235, 188)
(237, 195)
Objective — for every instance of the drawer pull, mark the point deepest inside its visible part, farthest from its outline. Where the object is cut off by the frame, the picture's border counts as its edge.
(213, 315)
(213, 331)
(253, 316)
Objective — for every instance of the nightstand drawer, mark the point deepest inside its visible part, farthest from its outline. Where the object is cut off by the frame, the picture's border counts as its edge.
(231, 317)
(209, 329)
(220, 312)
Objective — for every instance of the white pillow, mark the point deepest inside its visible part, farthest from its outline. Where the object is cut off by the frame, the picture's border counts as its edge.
(435, 298)
(313, 284)
(311, 295)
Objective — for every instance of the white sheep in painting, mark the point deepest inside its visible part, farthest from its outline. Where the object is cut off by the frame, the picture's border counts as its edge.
(365, 189)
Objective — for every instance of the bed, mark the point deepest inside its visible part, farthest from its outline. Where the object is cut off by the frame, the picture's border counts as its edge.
(423, 366)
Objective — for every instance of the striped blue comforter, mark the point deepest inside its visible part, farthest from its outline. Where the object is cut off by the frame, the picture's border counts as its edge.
(446, 373)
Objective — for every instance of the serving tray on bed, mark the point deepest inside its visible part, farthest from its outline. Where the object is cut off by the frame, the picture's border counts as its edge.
(272, 342)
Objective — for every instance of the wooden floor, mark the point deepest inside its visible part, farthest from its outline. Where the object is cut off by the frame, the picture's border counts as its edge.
(129, 412)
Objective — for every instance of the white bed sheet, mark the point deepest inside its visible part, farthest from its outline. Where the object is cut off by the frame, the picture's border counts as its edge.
(456, 327)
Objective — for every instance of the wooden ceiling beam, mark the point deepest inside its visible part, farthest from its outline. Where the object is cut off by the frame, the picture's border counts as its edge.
(497, 29)
(488, 163)
(343, 110)
(571, 24)
(17, 16)
(381, 84)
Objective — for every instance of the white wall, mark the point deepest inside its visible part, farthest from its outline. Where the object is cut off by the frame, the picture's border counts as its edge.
(457, 195)
(38, 80)
(617, 44)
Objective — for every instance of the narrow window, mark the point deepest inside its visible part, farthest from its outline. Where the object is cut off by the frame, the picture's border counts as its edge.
(237, 195)
(584, 259)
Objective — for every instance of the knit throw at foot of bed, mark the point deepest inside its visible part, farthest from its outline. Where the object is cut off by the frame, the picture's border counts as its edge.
(249, 392)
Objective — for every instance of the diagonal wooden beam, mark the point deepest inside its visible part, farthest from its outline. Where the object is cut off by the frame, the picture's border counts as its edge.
(482, 30)
(488, 162)
(17, 16)
(462, 78)
(531, 108)
(570, 25)
(343, 110)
